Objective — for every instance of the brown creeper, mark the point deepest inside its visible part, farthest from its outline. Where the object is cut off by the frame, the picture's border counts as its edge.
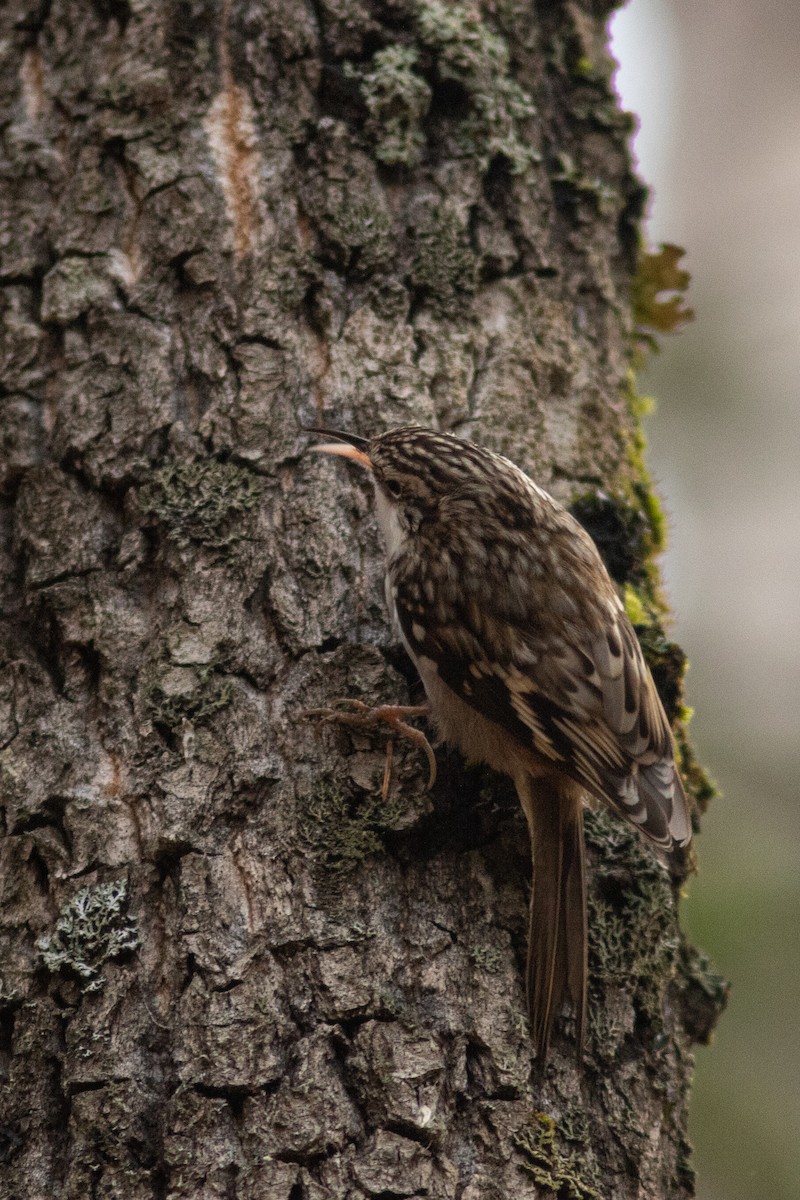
(530, 664)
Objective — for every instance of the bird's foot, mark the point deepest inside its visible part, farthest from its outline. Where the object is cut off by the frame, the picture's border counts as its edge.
(361, 716)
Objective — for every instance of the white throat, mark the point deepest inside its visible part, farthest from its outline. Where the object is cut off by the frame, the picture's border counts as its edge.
(389, 520)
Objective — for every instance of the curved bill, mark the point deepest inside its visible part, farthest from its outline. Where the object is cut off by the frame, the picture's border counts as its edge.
(349, 445)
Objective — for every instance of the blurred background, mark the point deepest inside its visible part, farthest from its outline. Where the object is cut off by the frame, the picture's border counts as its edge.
(716, 87)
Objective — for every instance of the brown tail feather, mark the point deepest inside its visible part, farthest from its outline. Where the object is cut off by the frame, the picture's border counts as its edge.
(557, 932)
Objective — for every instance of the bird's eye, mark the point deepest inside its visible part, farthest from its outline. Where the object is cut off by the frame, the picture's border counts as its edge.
(393, 487)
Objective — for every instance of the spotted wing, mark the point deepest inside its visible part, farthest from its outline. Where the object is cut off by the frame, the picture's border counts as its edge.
(568, 682)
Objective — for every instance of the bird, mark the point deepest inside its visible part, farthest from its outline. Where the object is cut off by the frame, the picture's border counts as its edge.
(530, 665)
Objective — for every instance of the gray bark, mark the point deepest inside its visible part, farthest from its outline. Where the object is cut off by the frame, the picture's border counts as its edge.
(230, 966)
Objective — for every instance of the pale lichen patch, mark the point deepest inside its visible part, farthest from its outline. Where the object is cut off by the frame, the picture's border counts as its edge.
(93, 927)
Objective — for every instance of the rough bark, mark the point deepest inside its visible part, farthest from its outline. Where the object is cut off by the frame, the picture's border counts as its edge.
(230, 967)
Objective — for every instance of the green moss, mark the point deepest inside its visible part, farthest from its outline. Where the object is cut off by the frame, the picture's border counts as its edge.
(654, 511)
(634, 606)
(668, 665)
(637, 476)
(628, 525)
(189, 693)
(397, 98)
(552, 1168)
(627, 520)
(202, 502)
(633, 939)
(340, 831)
(647, 608)
(92, 927)
(621, 531)
(468, 53)
(698, 782)
(665, 658)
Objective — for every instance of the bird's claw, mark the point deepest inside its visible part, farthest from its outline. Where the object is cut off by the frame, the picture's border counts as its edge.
(357, 714)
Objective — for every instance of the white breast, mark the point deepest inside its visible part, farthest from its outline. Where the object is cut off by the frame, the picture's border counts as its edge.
(389, 520)
(393, 535)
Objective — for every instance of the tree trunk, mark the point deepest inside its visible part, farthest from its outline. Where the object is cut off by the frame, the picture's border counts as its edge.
(234, 964)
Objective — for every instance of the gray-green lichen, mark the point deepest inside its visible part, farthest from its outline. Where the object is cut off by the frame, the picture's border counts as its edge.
(346, 204)
(456, 46)
(397, 99)
(444, 264)
(470, 54)
(93, 927)
(202, 502)
(633, 936)
(560, 1172)
(487, 958)
(339, 832)
(364, 230)
(190, 693)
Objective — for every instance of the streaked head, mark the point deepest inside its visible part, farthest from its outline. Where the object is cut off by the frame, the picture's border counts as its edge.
(415, 469)
(414, 465)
